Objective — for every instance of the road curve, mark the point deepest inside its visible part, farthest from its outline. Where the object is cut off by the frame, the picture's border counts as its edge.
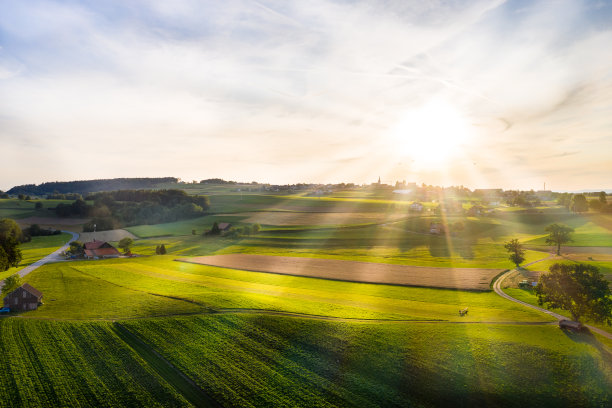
(500, 292)
(51, 257)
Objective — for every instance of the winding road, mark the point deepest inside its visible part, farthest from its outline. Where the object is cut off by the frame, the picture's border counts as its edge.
(497, 288)
(54, 256)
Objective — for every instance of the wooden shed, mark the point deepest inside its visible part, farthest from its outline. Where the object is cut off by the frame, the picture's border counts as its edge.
(23, 298)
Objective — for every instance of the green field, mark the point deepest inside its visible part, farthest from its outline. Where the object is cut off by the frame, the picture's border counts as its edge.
(37, 248)
(16, 209)
(262, 361)
(151, 331)
(154, 286)
(57, 364)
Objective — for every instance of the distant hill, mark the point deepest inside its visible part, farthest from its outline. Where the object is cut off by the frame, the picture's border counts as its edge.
(91, 186)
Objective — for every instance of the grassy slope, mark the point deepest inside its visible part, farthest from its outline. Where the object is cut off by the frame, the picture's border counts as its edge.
(259, 361)
(37, 248)
(53, 364)
(155, 285)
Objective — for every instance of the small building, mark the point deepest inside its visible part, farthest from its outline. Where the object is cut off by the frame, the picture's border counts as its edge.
(100, 250)
(436, 228)
(416, 207)
(224, 226)
(23, 298)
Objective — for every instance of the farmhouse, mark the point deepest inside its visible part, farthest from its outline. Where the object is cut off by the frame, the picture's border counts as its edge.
(416, 207)
(100, 249)
(23, 298)
(224, 226)
(436, 228)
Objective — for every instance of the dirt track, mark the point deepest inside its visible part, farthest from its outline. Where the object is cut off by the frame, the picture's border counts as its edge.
(353, 271)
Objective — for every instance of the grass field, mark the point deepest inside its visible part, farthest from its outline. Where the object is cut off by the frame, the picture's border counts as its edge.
(262, 361)
(37, 248)
(155, 286)
(120, 332)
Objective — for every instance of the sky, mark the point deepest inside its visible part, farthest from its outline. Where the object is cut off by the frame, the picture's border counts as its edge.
(509, 94)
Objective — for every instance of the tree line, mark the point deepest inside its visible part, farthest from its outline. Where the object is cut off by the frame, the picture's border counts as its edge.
(115, 209)
(89, 186)
(580, 203)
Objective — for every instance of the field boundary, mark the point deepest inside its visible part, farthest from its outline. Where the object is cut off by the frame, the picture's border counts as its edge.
(168, 371)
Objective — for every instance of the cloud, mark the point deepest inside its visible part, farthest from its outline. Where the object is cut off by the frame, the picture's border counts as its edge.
(274, 81)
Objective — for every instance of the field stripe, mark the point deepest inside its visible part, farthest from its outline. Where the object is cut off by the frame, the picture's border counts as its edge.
(169, 372)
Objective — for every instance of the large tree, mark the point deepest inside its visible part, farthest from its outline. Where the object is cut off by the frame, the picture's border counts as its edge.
(10, 236)
(579, 203)
(602, 197)
(578, 288)
(517, 253)
(558, 235)
(125, 244)
(10, 284)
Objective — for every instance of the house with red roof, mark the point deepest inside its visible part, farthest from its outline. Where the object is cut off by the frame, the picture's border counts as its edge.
(100, 250)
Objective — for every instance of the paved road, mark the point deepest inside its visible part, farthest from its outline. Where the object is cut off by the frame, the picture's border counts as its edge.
(500, 292)
(55, 256)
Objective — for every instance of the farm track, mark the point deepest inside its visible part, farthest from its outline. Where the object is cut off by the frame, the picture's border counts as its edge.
(168, 371)
(49, 258)
(497, 288)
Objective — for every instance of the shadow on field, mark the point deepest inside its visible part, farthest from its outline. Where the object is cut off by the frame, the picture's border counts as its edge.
(587, 337)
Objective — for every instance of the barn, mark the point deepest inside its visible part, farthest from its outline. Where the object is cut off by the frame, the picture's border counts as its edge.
(100, 250)
(23, 298)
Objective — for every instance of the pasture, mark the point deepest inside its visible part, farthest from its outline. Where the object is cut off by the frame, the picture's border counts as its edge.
(136, 332)
(157, 286)
(37, 248)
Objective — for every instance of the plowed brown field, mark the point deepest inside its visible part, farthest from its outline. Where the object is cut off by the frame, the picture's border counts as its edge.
(353, 271)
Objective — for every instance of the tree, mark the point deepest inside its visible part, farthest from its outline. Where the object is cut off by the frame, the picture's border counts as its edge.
(76, 248)
(10, 236)
(579, 203)
(602, 197)
(10, 284)
(215, 230)
(517, 253)
(578, 288)
(125, 244)
(558, 235)
(162, 249)
(38, 205)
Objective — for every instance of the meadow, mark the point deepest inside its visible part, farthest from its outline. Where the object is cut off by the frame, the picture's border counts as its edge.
(37, 248)
(151, 331)
(159, 286)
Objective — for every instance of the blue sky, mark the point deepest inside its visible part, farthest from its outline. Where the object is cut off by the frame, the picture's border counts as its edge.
(479, 93)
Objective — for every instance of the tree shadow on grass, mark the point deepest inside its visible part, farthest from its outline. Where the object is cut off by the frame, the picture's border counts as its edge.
(589, 338)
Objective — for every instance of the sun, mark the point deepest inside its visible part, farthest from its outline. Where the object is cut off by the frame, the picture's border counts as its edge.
(431, 134)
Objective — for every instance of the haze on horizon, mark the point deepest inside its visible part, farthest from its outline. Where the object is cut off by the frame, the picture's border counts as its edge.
(507, 94)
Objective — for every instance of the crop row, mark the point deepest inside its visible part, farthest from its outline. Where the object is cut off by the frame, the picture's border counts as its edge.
(53, 364)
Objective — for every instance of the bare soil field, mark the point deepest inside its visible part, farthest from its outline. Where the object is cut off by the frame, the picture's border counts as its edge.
(317, 218)
(353, 271)
(111, 235)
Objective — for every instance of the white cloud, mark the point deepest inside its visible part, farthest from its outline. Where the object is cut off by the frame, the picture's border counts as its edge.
(266, 82)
